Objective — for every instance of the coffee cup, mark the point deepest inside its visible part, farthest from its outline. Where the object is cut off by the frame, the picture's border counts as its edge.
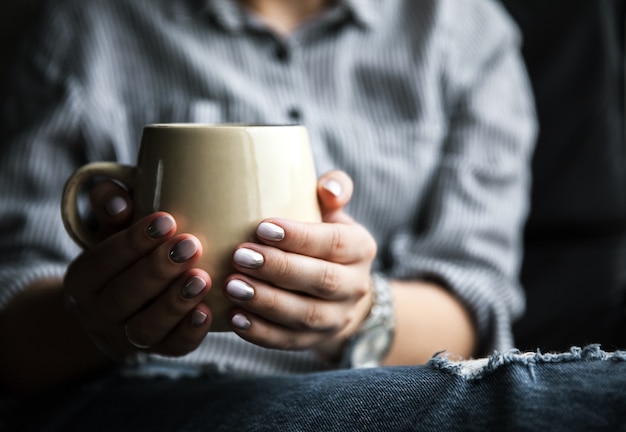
(218, 181)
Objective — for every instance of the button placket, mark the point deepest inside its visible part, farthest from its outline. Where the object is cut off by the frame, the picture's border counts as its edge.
(286, 53)
(281, 52)
(294, 114)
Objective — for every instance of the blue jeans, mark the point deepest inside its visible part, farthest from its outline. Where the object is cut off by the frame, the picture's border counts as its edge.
(584, 389)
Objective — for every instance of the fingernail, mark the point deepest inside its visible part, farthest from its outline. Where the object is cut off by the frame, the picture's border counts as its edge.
(115, 205)
(270, 231)
(239, 289)
(248, 258)
(193, 287)
(332, 186)
(198, 318)
(183, 250)
(160, 226)
(240, 321)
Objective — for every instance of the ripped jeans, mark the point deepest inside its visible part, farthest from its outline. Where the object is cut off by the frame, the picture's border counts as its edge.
(583, 389)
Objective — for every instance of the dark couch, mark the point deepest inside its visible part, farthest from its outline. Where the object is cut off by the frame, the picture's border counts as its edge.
(574, 269)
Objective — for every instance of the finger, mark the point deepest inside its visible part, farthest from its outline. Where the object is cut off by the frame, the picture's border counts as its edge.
(95, 267)
(294, 272)
(334, 190)
(151, 325)
(111, 205)
(343, 243)
(286, 308)
(188, 334)
(143, 282)
(267, 334)
(291, 271)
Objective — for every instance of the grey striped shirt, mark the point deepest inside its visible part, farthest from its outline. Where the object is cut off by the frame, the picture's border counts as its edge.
(425, 103)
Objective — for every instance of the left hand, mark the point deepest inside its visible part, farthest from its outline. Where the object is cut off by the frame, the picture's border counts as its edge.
(306, 285)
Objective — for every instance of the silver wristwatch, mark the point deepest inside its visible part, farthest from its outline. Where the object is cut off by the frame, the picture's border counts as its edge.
(369, 346)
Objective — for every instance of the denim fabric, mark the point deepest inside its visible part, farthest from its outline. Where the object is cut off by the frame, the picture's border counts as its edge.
(583, 389)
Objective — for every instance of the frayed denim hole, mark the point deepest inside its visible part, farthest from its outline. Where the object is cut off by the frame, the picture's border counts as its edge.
(477, 368)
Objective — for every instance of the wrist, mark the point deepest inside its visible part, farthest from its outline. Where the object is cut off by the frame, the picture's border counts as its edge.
(371, 343)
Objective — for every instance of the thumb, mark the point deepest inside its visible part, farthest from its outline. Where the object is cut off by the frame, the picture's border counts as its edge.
(112, 207)
(334, 191)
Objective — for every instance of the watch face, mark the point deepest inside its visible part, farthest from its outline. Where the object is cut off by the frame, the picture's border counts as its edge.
(371, 347)
(371, 344)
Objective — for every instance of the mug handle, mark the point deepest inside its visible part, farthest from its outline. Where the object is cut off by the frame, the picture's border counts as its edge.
(69, 204)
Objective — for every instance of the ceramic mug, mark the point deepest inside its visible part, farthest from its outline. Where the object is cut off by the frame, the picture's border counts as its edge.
(218, 181)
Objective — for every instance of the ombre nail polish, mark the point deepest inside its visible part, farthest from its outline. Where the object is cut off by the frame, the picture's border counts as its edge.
(248, 258)
(193, 287)
(160, 226)
(239, 289)
(183, 250)
(270, 231)
(198, 318)
(115, 205)
(240, 321)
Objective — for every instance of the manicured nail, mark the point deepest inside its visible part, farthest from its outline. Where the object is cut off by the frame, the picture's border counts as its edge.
(160, 226)
(239, 289)
(183, 250)
(115, 205)
(248, 258)
(332, 186)
(269, 231)
(193, 287)
(240, 321)
(197, 318)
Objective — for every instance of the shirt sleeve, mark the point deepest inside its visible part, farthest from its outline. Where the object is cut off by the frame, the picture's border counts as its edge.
(38, 152)
(469, 238)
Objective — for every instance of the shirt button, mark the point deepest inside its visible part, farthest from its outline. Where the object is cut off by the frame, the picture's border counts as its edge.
(294, 114)
(281, 53)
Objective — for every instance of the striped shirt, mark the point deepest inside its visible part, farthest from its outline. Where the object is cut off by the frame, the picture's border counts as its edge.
(424, 103)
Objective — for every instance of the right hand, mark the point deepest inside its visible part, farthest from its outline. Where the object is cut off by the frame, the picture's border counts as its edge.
(138, 284)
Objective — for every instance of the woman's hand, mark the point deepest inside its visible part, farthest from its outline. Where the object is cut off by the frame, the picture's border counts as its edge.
(306, 286)
(138, 288)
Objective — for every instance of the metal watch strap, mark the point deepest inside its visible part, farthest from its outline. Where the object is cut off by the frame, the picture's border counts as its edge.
(371, 343)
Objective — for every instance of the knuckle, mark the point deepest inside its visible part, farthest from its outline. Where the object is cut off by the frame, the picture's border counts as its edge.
(337, 243)
(288, 343)
(274, 303)
(283, 267)
(314, 318)
(362, 289)
(304, 239)
(329, 283)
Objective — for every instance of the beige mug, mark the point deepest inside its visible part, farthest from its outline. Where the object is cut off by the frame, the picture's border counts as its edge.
(218, 181)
